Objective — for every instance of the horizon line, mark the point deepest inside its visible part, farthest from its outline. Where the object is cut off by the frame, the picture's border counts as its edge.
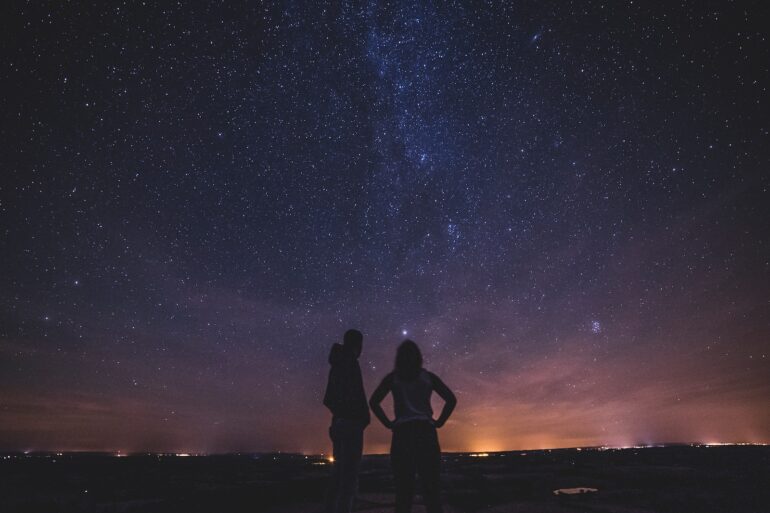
(120, 453)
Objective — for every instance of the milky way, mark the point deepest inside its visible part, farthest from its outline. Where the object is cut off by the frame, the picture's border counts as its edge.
(565, 205)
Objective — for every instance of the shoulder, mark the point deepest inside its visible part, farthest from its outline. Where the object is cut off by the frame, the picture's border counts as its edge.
(432, 377)
(335, 355)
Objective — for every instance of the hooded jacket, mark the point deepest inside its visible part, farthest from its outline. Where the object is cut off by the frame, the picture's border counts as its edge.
(345, 396)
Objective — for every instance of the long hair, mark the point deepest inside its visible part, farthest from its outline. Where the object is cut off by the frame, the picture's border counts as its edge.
(408, 360)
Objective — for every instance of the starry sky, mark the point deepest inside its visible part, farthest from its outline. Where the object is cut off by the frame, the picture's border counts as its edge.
(565, 204)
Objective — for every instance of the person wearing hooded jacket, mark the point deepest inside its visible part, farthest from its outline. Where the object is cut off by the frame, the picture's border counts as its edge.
(346, 399)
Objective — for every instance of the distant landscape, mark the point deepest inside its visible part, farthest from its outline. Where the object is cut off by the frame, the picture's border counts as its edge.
(677, 478)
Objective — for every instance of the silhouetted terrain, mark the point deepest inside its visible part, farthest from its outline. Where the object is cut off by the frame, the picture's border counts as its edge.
(669, 479)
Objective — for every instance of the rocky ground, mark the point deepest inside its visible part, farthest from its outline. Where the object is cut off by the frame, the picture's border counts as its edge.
(671, 479)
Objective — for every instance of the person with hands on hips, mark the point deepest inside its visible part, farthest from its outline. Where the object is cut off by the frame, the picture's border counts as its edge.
(414, 447)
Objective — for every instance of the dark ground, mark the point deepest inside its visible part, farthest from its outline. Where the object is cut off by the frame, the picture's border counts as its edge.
(678, 479)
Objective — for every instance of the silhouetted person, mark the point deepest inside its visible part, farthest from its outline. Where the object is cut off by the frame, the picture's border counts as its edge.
(346, 399)
(414, 447)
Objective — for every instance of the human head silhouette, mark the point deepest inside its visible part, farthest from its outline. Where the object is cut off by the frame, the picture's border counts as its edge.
(408, 360)
(354, 341)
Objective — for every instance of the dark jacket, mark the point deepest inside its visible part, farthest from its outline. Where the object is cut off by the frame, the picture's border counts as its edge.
(345, 396)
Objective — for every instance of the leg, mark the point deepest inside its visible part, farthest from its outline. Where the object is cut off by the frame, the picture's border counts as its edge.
(350, 462)
(330, 503)
(429, 467)
(403, 462)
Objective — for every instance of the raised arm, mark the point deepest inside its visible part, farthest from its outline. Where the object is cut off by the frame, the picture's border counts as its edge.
(377, 397)
(450, 401)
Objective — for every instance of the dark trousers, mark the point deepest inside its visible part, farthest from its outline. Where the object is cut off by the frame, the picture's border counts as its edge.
(415, 449)
(348, 441)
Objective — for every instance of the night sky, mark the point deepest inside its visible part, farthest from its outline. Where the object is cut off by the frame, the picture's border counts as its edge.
(565, 205)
